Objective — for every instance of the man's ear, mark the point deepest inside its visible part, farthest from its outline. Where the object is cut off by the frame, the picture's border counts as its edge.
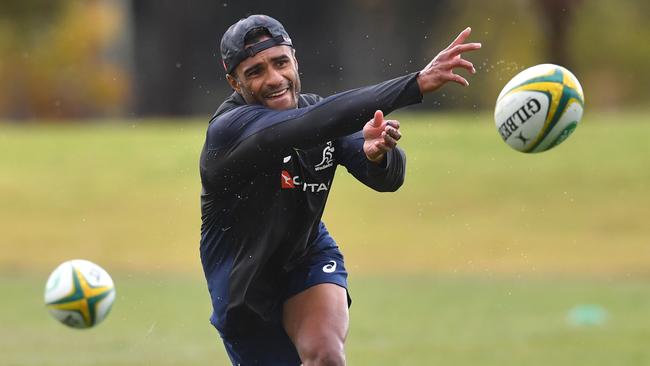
(234, 84)
(294, 58)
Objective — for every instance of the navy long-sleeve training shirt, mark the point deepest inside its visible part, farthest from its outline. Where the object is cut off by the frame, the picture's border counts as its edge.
(266, 175)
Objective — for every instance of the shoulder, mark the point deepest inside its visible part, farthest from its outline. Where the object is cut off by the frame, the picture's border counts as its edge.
(308, 99)
(228, 127)
(233, 101)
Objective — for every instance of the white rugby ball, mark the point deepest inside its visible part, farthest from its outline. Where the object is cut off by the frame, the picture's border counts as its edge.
(539, 108)
(79, 293)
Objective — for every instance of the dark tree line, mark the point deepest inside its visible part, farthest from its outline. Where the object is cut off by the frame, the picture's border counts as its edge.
(173, 66)
(556, 17)
(339, 44)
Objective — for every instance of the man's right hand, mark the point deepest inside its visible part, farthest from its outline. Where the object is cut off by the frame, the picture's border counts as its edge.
(441, 69)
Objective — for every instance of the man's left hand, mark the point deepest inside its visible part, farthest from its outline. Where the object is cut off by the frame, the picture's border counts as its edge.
(380, 136)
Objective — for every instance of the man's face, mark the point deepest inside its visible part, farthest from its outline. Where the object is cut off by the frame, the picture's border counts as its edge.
(269, 78)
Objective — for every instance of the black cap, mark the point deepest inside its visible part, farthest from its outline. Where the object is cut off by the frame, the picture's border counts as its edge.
(232, 42)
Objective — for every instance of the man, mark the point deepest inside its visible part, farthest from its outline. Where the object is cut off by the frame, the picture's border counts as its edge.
(276, 277)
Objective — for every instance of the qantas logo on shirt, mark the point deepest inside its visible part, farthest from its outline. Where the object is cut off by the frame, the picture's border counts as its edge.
(328, 157)
(292, 182)
(287, 180)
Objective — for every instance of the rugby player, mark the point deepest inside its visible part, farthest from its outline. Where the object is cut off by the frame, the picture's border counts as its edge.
(276, 277)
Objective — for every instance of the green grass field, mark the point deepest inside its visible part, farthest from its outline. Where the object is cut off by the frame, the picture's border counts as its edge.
(478, 259)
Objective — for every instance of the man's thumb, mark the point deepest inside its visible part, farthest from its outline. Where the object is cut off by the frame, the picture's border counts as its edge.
(379, 118)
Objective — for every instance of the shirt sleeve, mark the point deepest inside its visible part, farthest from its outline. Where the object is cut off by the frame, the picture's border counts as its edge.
(249, 136)
(386, 176)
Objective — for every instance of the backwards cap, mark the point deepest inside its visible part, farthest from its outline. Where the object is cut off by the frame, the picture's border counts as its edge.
(232, 42)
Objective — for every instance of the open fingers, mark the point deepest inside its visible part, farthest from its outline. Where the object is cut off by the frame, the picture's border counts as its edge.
(458, 79)
(461, 48)
(460, 38)
(459, 62)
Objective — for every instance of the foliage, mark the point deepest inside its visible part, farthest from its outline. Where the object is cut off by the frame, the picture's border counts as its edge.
(72, 58)
(606, 48)
(54, 62)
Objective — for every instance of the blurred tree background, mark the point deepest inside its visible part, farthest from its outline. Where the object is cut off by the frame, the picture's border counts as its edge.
(59, 59)
(126, 58)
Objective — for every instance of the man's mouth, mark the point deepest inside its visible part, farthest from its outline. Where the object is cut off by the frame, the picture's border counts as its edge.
(277, 94)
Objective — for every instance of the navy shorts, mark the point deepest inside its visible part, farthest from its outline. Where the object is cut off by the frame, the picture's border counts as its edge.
(270, 344)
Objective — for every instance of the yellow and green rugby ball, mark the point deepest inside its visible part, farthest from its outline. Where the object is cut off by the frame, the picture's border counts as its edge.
(79, 293)
(539, 108)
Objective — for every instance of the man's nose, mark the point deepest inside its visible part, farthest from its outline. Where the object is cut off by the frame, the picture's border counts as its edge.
(275, 77)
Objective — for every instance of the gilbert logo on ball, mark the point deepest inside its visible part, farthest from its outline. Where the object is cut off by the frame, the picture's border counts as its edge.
(79, 293)
(539, 108)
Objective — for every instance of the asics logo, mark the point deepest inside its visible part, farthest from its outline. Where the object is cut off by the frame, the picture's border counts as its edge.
(329, 267)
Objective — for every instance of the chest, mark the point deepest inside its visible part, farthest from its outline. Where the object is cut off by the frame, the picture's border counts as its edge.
(308, 171)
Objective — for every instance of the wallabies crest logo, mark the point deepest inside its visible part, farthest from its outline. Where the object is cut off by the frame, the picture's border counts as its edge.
(328, 157)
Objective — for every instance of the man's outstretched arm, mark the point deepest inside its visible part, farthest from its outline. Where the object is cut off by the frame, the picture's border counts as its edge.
(250, 133)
